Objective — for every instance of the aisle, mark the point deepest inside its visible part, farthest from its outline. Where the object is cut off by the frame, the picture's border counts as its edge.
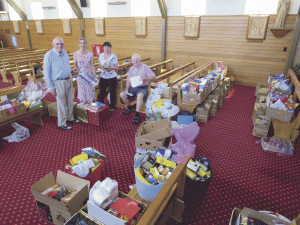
(243, 173)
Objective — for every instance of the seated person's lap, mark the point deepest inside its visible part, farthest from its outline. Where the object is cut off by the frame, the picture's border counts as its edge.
(136, 90)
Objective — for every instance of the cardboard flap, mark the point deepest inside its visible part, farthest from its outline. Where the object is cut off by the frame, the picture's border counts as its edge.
(79, 200)
(261, 216)
(71, 182)
(44, 183)
(49, 201)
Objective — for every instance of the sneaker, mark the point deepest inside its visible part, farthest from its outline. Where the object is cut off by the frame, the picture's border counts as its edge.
(136, 120)
(65, 127)
(127, 112)
(74, 121)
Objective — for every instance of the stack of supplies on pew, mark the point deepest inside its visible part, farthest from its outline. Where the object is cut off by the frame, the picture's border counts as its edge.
(11, 109)
(195, 90)
(280, 107)
(277, 145)
(86, 165)
(109, 206)
(203, 111)
(57, 200)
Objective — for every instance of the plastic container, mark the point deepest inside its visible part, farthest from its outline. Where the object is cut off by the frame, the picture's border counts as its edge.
(146, 191)
(196, 190)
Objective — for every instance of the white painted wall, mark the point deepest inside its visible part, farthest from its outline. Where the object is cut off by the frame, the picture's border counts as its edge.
(225, 7)
(213, 7)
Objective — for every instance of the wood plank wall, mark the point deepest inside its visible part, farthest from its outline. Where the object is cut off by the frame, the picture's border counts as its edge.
(221, 38)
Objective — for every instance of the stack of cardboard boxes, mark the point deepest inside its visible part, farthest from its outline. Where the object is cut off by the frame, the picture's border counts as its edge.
(214, 99)
(203, 111)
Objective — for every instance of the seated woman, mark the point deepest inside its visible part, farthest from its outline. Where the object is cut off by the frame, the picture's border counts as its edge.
(84, 60)
(108, 63)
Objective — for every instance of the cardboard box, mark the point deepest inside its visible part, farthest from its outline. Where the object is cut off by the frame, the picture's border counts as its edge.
(203, 111)
(106, 218)
(208, 90)
(279, 114)
(235, 216)
(193, 97)
(258, 132)
(52, 108)
(156, 130)
(18, 110)
(259, 124)
(98, 118)
(144, 143)
(263, 91)
(214, 104)
(55, 211)
(260, 85)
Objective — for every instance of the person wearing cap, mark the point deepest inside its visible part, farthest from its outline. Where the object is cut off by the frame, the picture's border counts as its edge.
(57, 71)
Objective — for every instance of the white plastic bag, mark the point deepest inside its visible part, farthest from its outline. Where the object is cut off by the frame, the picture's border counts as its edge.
(82, 169)
(20, 134)
(153, 97)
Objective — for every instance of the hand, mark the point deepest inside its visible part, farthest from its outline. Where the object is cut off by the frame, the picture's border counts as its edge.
(53, 92)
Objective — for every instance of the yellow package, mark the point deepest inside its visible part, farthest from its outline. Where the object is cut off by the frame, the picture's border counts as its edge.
(191, 174)
(201, 173)
(165, 162)
(95, 167)
(26, 104)
(76, 159)
(154, 172)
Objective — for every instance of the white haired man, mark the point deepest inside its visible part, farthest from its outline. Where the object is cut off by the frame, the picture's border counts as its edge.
(140, 74)
(57, 71)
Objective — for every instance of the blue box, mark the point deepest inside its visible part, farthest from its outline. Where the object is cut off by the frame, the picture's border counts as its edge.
(184, 120)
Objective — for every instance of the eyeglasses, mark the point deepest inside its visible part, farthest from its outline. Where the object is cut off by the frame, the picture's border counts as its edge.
(59, 43)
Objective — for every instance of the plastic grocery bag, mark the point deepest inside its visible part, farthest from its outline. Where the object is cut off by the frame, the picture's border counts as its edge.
(185, 137)
(20, 134)
(33, 92)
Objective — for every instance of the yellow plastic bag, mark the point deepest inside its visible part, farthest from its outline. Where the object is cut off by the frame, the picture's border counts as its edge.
(76, 159)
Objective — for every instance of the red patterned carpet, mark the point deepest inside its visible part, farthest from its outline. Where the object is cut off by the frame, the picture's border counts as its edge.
(244, 175)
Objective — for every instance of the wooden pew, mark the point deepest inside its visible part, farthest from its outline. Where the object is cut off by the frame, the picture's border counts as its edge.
(34, 115)
(168, 203)
(199, 73)
(172, 92)
(284, 130)
(17, 69)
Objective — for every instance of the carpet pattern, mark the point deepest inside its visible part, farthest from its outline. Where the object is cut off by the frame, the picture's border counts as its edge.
(244, 175)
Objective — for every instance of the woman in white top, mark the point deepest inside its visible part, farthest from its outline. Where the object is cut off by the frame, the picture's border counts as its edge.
(108, 63)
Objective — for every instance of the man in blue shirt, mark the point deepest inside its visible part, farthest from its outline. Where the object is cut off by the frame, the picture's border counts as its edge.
(57, 72)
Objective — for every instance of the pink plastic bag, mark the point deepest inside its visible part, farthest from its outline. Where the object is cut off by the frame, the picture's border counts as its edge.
(185, 137)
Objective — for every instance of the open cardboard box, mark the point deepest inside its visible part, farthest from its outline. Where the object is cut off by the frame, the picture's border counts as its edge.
(105, 217)
(156, 130)
(53, 210)
(235, 216)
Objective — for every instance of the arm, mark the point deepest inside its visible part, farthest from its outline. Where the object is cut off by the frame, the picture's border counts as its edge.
(150, 75)
(47, 73)
(115, 63)
(93, 66)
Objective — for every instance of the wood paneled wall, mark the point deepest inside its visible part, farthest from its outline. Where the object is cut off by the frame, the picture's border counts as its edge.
(222, 38)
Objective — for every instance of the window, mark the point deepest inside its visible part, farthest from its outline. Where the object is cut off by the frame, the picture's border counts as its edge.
(98, 8)
(140, 8)
(261, 6)
(193, 7)
(37, 11)
(64, 9)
